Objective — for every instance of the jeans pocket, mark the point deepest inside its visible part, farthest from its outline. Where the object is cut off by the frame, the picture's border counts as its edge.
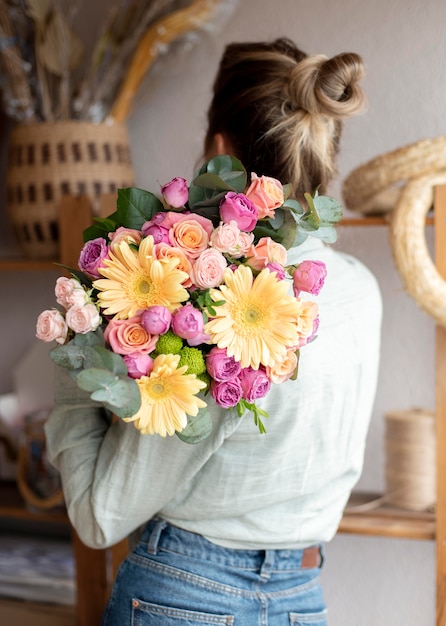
(304, 619)
(148, 614)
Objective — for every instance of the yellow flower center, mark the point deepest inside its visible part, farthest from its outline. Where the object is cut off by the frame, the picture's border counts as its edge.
(252, 316)
(157, 390)
(144, 286)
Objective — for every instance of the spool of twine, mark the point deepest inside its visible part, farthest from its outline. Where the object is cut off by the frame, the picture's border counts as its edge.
(410, 446)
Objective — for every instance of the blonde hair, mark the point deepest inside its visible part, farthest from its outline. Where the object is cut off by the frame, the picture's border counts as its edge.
(282, 110)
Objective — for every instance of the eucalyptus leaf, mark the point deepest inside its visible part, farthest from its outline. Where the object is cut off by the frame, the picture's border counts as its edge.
(137, 206)
(198, 428)
(328, 209)
(119, 394)
(93, 338)
(293, 205)
(69, 356)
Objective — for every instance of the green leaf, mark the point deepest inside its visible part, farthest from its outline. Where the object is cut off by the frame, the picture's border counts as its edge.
(101, 228)
(136, 206)
(293, 205)
(69, 356)
(212, 181)
(94, 338)
(198, 428)
(328, 209)
(119, 394)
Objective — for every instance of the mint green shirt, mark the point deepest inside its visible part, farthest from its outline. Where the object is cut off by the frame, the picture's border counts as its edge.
(238, 488)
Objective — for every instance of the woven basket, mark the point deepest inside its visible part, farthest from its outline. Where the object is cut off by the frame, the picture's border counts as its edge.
(50, 159)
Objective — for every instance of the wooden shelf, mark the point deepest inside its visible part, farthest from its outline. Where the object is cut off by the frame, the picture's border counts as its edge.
(386, 520)
(25, 265)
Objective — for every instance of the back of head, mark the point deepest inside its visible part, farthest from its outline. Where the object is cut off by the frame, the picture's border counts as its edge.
(281, 110)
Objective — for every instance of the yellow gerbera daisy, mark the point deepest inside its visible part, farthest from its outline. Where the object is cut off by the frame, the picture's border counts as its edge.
(258, 320)
(135, 280)
(167, 397)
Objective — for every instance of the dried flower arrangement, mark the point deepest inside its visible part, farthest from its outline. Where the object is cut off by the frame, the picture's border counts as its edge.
(45, 75)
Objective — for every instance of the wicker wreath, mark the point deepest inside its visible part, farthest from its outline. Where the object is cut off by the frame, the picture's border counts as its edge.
(376, 186)
(418, 273)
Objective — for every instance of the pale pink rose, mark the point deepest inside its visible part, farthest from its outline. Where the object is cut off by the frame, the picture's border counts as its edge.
(238, 207)
(207, 271)
(166, 251)
(266, 193)
(69, 292)
(191, 233)
(138, 364)
(92, 256)
(130, 235)
(245, 242)
(83, 319)
(176, 192)
(255, 383)
(156, 319)
(127, 336)
(226, 238)
(307, 314)
(309, 276)
(266, 251)
(51, 326)
(283, 370)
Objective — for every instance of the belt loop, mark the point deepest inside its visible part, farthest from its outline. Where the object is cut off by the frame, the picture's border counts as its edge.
(267, 565)
(152, 546)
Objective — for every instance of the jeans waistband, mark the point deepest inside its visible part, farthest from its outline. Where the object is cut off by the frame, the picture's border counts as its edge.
(160, 536)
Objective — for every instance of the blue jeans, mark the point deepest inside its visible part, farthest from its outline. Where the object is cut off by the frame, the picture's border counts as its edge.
(177, 578)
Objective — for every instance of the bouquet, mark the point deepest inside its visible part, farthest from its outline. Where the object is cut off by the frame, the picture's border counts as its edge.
(185, 298)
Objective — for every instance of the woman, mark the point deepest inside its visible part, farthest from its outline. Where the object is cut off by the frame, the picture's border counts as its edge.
(233, 527)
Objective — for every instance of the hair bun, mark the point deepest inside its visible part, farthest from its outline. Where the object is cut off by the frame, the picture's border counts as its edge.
(326, 86)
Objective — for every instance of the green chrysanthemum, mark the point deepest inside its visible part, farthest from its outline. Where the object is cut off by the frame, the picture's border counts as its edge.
(169, 343)
(193, 358)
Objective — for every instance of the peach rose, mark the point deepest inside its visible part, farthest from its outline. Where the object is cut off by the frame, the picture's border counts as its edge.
(207, 271)
(130, 235)
(191, 233)
(225, 238)
(282, 371)
(51, 326)
(266, 251)
(164, 251)
(83, 319)
(128, 336)
(307, 314)
(266, 193)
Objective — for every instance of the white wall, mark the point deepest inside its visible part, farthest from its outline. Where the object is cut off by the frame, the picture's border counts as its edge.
(368, 581)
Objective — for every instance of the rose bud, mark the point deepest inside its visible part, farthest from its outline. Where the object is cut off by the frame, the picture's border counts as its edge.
(176, 192)
(309, 276)
(138, 364)
(156, 319)
(187, 322)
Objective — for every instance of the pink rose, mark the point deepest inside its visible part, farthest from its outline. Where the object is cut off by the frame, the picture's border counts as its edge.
(138, 364)
(176, 192)
(266, 193)
(266, 251)
(92, 255)
(127, 336)
(187, 322)
(237, 207)
(283, 370)
(220, 366)
(83, 319)
(51, 326)
(156, 320)
(278, 270)
(69, 292)
(309, 276)
(207, 271)
(226, 394)
(255, 383)
(191, 233)
(130, 235)
(159, 233)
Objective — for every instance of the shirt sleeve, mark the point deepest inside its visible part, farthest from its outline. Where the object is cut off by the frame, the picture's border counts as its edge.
(114, 478)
